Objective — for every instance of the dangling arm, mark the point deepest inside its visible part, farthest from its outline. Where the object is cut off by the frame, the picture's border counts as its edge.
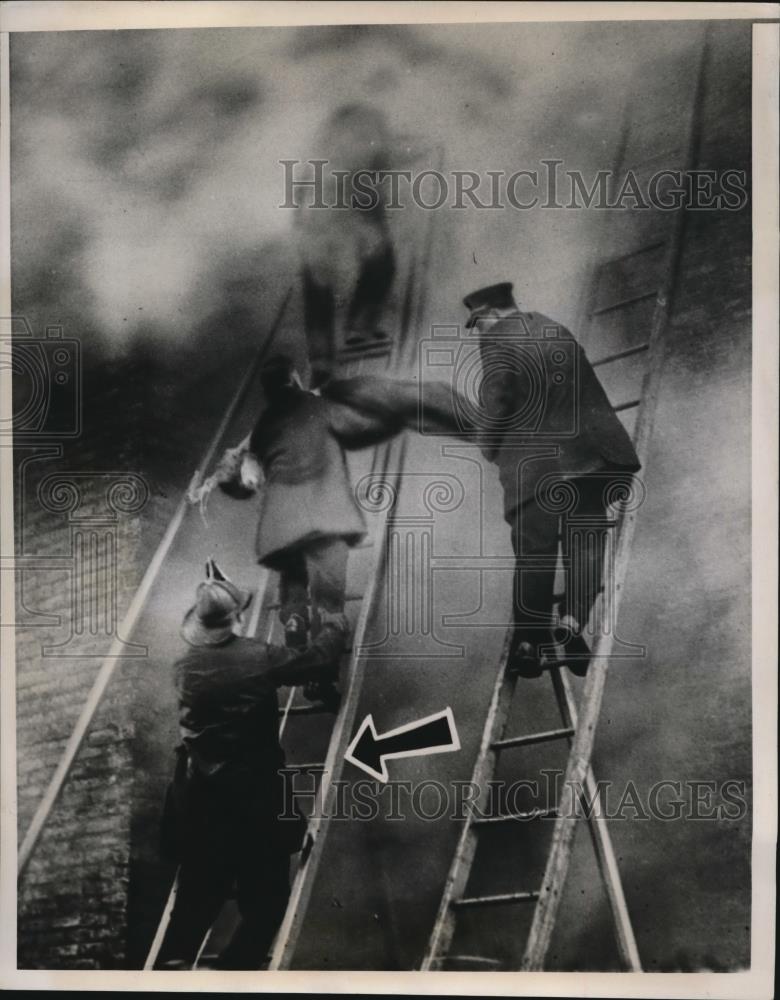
(238, 473)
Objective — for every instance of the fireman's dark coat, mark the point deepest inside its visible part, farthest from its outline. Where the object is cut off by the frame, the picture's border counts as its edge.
(549, 416)
(228, 784)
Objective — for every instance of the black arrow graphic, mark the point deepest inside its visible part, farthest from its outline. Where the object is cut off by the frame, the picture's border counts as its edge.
(433, 734)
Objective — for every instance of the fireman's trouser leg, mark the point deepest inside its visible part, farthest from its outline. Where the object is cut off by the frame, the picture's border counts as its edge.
(263, 890)
(535, 531)
(326, 563)
(203, 885)
(293, 586)
(535, 544)
(315, 575)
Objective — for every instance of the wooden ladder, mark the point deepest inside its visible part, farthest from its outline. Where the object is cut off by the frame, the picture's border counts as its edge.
(495, 742)
(263, 621)
(329, 771)
(388, 463)
(628, 311)
(385, 464)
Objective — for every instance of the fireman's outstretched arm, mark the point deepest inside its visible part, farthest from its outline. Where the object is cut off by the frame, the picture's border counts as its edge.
(320, 662)
(368, 408)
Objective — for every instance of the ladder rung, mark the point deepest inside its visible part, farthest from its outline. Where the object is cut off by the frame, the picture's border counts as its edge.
(531, 738)
(621, 303)
(647, 248)
(627, 406)
(207, 961)
(512, 817)
(313, 709)
(493, 963)
(562, 595)
(557, 598)
(378, 350)
(620, 355)
(347, 600)
(502, 900)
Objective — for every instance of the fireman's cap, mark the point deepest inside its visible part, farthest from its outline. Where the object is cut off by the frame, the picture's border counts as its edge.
(491, 297)
(218, 601)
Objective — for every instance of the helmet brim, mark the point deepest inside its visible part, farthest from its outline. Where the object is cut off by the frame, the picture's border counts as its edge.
(194, 632)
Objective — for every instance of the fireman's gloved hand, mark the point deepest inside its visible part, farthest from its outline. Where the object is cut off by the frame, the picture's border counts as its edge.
(296, 631)
(333, 619)
(324, 692)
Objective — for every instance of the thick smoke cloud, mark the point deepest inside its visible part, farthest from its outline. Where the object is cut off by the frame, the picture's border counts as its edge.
(146, 180)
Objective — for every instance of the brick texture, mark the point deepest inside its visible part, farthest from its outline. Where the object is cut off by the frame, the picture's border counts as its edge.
(72, 905)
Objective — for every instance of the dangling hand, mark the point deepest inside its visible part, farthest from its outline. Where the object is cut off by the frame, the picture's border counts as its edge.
(229, 467)
(198, 492)
(195, 488)
(238, 473)
(251, 472)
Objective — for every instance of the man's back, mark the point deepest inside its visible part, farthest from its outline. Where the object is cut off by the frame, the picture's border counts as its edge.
(228, 706)
(292, 437)
(549, 412)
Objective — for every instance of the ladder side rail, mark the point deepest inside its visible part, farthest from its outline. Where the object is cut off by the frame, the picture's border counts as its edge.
(411, 335)
(162, 926)
(290, 928)
(259, 606)
(610, 876)
(485, 763)
(556, 869)
(587, 302)
(582, 745)
(286, 716)
(263, 603)
(388, 461)
(546, 911)
(602, 841)
(315, 833)
(138, 603)
(484, 768)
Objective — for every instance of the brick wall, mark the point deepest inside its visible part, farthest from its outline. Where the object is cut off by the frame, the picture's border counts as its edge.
(72, 896)
(72, 910)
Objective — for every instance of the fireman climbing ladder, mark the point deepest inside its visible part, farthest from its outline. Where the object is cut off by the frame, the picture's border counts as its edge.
(385, 463)
(643, 277)
(263, 621)
(108, 667)
(620, 284)
(389, 462)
